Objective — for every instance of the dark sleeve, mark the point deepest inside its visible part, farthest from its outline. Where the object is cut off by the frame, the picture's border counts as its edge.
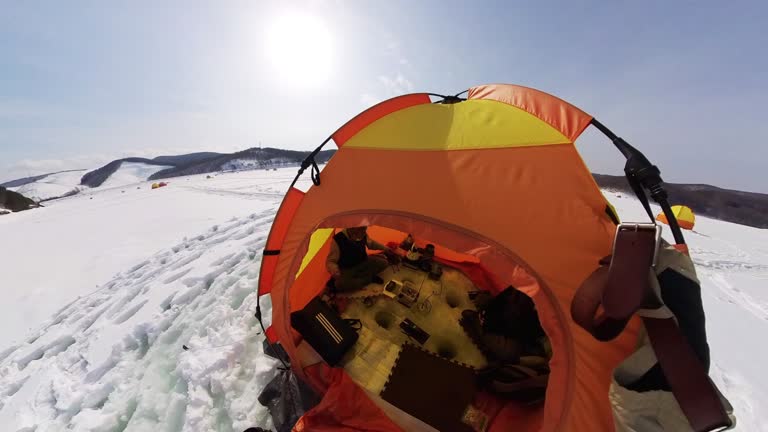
(683, 297)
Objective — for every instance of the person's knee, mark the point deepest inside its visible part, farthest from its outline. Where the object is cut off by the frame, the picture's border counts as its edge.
(379, 262)
(345, 284)
(378, 258)
(343, 288)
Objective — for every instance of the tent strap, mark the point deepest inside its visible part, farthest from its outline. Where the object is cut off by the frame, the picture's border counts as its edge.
(642, 175)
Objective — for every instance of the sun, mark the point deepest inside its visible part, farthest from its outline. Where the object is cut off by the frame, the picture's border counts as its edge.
(299, 48)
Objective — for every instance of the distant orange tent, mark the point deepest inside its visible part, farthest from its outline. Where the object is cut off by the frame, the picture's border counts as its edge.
(684, 215)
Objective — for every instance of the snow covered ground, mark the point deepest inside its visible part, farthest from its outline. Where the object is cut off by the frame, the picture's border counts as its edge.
(132, 172)
(101, 290)
(109, 355)
(54, 185)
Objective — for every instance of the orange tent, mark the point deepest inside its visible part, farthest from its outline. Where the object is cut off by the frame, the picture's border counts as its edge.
(496, 182)
(684, 215)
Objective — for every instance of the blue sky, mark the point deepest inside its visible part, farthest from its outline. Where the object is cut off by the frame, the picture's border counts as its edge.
(84, 82)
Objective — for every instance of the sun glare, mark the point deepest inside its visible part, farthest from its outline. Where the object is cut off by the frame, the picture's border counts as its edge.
(299, 48)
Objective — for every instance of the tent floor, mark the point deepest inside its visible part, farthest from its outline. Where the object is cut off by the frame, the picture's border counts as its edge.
(437, 312)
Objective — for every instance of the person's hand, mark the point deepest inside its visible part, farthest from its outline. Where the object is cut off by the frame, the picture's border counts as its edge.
(392, 256)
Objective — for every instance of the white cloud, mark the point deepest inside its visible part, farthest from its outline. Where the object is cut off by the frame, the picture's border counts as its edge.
(392, 48)
(369, 100)
(392, 86)
(9, 111)
(396, 85)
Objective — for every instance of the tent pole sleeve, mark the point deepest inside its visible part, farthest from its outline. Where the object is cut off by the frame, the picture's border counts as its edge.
(309, 161)
(264, 330)
(643, 175)
(259, 316)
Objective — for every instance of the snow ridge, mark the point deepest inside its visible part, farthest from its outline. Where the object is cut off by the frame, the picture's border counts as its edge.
(132, 172)
(53, 185)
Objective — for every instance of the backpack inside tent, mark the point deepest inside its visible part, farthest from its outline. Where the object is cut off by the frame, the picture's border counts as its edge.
(492, 188)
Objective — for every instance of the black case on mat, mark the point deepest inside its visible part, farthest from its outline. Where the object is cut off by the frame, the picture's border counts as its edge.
(324, 330)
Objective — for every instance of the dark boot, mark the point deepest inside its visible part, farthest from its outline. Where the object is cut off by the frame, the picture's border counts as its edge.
(470, 323)
(496, 348)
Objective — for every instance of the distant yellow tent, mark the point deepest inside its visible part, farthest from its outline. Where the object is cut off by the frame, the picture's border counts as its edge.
(684, 215)
(155, 185)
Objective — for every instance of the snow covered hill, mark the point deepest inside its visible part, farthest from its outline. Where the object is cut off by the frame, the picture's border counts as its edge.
(251, 164)
(132, 172)
(199, 163)
(51, 186)
(92, 327)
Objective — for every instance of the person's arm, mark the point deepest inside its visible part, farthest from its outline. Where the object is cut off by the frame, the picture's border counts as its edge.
(388, 252)
(332, 262)
(374, 245)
